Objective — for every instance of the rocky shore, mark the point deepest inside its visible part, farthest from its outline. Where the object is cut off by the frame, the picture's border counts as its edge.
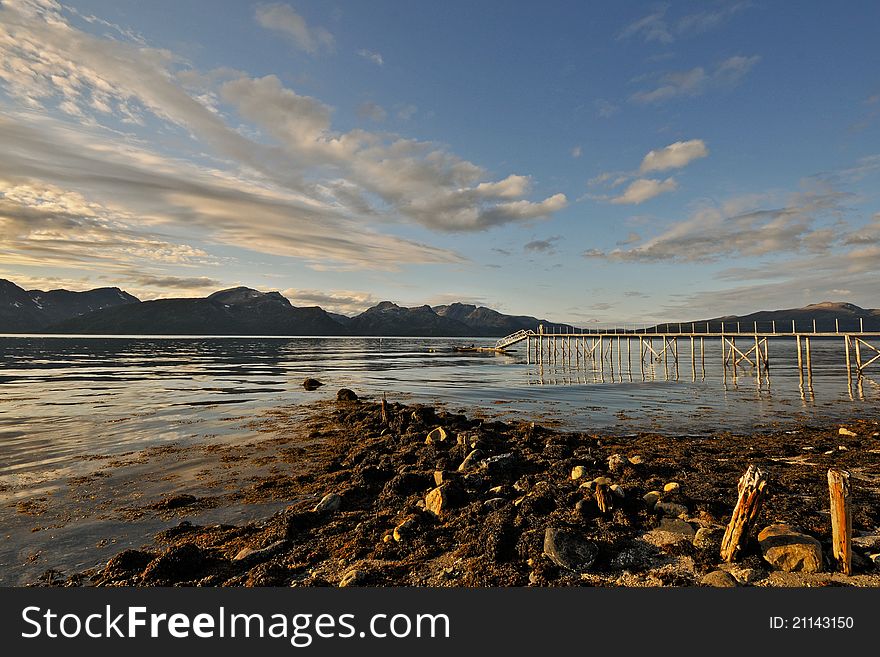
(413, 496)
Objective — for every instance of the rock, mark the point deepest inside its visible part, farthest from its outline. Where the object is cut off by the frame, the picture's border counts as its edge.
(471, 461)
(676, 526)
(569, 550)
(672, 487)
(671, 509)
(578, 472)
(498, 465)
(616, 462)
(846, 432)
(636, 460)
(618, 490)
(651, 498)
(495, 503)
(352, 578)
(789, 550)
(329, 503)
(436, 436)
(249, 555)
(444, 476)
(404, 530)
(718, 579)
(746, 575)
(311, 384)
(875, 559)
(344, 394)
(605, 481)
(443, 498)
(709, 538)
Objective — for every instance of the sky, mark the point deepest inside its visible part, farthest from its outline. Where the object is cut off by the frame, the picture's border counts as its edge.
(588, 162)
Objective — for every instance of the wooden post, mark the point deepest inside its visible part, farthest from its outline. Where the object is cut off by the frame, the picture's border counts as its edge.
(846, 346)
(841, 519)
(384, 410)
(603, 497)
(858, 356)
(751, 494)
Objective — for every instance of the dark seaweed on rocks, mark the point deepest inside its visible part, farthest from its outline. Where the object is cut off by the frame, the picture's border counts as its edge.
(397, 509)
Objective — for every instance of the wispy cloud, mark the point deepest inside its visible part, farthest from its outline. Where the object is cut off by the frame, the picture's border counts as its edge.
(282, 18)
(741, 227)
(372, 111)
(374, 57)
(260, 168)
(344, 302)
(674, 156)
(697, 81)
(542, 246)
(639, 188)
(644, 189)
(658, 27)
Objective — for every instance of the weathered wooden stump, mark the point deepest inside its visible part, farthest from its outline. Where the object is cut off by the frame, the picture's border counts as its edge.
(602, 494)
(751, 495)
(841, 519)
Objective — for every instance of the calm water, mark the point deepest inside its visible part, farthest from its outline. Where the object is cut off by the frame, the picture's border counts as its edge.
(66, 401)
(62, 398)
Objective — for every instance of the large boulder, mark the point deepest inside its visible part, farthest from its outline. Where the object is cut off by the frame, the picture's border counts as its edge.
(790, 550)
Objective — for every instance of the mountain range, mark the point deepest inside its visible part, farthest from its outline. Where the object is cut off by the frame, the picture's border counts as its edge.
(243, 311)
(237, 311)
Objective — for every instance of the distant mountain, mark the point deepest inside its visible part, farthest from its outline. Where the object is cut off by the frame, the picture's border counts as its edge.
(388, 318)
(828, 315)
(24, 311)
(238, 311)
(487, 322)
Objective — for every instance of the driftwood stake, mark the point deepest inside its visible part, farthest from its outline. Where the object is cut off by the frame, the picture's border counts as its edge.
(384, 409)
(603, 497)
(841, 519)
(751, 495)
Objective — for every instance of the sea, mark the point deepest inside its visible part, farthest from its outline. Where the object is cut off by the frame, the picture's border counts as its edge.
(67, 402)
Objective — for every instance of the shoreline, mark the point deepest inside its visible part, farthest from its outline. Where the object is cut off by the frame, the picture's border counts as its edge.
(376, 503)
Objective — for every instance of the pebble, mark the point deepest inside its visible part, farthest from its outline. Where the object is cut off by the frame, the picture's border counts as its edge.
(671, 509)
(672, 487)
(329, 503)
(636, 460)
(345, 394)
(846, 432)
(616, 462)
(494, 503)
(311, 384)
(437, 435)
(471, 461)
(578, 472)
(718, 579)
(442, 498)
(618, 490)
(352, 578)
(709, 538)
(651, 498)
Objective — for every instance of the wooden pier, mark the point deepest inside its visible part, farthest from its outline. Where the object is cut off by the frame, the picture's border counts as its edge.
(740, 350)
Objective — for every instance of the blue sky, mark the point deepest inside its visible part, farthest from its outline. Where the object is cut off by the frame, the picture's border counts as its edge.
(588, 162)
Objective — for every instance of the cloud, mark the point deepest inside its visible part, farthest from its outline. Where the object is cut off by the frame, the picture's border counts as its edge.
(176, 282)
(650, 28)
(674, 156)
(697, 81)
(741, 227)
(644, 189)
(374, 57)
(655, 27)
(605, 109)
(576, 152)
(542, 246)
(372, 111)
(282, 18)
(344, 302)
(406, 112)
(258, 167)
